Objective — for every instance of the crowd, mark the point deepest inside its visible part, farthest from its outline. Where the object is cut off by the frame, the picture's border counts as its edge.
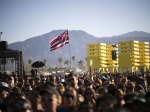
(109, 92)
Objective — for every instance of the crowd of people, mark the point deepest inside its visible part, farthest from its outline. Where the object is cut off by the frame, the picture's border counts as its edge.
(105, 92)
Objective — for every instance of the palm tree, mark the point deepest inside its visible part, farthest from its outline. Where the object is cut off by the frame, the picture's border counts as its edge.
(73, 58)
(67, 63)
(12, 62)
(44, 61)
(60, 61)
(29, 61)
(80, 64)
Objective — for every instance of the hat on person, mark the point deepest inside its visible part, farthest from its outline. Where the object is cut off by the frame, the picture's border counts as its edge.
(4, 84)
(103, 78)
(50, 90)
(61, 80)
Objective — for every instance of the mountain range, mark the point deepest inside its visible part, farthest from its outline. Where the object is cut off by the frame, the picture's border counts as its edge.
(38, 48)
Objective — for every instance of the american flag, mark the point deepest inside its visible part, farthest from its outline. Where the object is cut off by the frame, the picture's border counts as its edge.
(59, 41)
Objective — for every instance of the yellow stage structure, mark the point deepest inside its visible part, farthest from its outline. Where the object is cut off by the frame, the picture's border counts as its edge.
(101, 55)
(133, 55)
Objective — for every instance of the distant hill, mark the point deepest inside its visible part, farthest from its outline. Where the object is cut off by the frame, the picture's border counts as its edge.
(38, 48)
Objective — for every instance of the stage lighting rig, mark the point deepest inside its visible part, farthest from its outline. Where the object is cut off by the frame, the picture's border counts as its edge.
(3, 45)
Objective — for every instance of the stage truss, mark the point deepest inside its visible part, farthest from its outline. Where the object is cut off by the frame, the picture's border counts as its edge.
(17, 56)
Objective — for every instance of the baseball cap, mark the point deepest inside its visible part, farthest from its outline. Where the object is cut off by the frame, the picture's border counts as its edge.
(50, 90)
(4, 84)
(61, 80)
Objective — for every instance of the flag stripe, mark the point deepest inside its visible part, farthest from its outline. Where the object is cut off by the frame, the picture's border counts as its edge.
(59, 41)
(58, 46)
(54, 40)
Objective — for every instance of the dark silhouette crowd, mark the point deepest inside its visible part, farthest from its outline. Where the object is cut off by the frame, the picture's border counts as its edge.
(100, 92)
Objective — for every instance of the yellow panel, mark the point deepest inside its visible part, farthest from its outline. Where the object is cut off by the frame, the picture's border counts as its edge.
(130, 41)
(124, 60)
(135, 56)
(95, 61)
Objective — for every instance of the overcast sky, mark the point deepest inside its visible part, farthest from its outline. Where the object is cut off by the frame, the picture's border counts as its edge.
(23, 19)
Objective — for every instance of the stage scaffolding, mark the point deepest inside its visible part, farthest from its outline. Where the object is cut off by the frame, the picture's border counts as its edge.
(17, 56)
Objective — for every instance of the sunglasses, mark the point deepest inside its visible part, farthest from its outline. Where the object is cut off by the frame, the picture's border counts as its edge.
(47, 99)
(69, 96)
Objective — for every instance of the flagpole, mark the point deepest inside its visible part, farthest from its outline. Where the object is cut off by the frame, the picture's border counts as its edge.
(0, 35)
(69, 51)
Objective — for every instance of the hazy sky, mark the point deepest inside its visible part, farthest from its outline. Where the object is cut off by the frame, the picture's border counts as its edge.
(22, 19)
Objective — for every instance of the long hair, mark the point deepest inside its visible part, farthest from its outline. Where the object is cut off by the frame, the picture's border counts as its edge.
(74, 93)
(89, 89)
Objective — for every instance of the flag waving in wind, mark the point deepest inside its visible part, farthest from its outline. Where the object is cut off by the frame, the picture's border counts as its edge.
(59, 41)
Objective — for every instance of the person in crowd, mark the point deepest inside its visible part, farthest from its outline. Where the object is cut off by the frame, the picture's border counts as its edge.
(60, 88)
(17, 102)
(129, 97)
(106, 84)
(130, 87)
(124, 81)
(16, 80)
(32, 83)
(35, 99)
(118, 79)
(22, 82)
(86, 107)
(80, 99)
(105, 103)
(27, 89)
(118, 95)
(104, 92)
(73, 80)
(98, 81)
(147, 101)
(37, 81)
(139, 89)
(122, 87)
(27, 78)
(140, 102)
(11, 81)
(87, 84)
(101, 91)
(90, 96)
(53, 80)
(49, 99)
(129, 106)
(69, 101)
(148, 81)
